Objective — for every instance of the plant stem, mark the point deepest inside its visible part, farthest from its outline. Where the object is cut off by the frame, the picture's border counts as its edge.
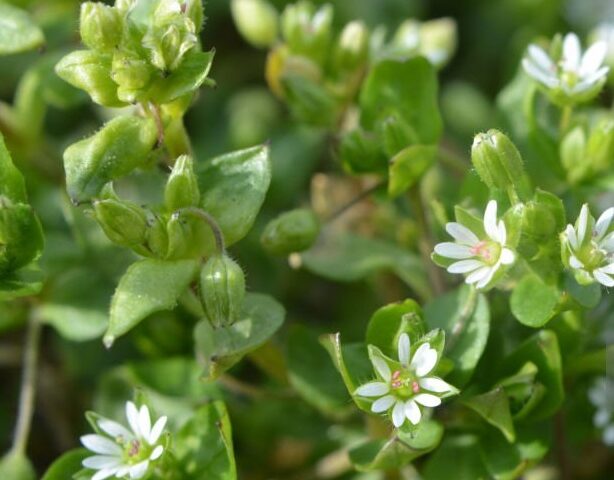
(565, 119)
(215, 228)
(27, 395)
(425, 243)
(464, 316)
(357, 199)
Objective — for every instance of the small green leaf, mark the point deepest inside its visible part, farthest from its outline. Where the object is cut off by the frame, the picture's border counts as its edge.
(21, 236)
(12, 184)
(494, 407)
(465, 316)
(408, 88)
(360, 152)
(15, 466)
(309, 101)
(233, 187)
(533, 302)
(458, 454)
(203, 447)
(22, 283)
(586, 295)
(148, 286)
(400, 450)
(118, 148)
(407, 166)
(67, 465)
(312, 374)
(220, 348)
(18, 32)
(390, 321)
(90, 71)
(186, 79)
(348, 258)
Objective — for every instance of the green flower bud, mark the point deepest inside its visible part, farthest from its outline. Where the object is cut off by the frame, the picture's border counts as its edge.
(21, 236)
(256, 20)
(182, 185)
(497, 161)
(222, 290)
(308, 33)
(124, 5)
(573, 148)
(195, 12)
(600, 148)
(123, 222)
(438, 40)
(156, 237)
(131, 73)
(100, 26)
(353, 46)
(292, 231)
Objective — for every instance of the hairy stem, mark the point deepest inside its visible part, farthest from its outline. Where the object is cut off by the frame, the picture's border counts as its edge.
(215, 228)
(565, 119)
(27, 395)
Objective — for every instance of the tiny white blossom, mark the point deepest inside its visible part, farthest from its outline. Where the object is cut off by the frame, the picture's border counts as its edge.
(479, 258)
(407, 387)
(590, 248)
(576, 76)
(602, 397)
(123, 452)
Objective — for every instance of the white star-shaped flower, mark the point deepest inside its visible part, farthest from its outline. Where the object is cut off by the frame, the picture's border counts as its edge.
(406, 387)
(123, 452)
(576, 77)
(479, 258)
(590, 248)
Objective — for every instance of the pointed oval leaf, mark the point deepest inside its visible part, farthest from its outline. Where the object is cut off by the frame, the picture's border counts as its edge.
(18, 32)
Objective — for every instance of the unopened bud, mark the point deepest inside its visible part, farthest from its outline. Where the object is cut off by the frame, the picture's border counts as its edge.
(168, 45)
(438, 40)
(131, 73)
(182, 185)
(293, 231)
(308, 33)
(353, 45)
(123, 222)
(100, 26)
(497, 160)
(256, 20)
(600, 148)
(222, 290)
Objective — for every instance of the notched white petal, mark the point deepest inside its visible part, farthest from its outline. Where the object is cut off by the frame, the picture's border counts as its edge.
(398, 414)
(424, 360)
(461, 234)
(381, 367)
(403, 349)
(427, 400)
(435, 384)
(453, 250)
(100, 444)
(382, 404)
(465, 266)
(372, 389)
(412, 412)
(490, 220)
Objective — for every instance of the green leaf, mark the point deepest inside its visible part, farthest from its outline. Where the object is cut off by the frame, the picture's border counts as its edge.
(534, 303)
(464, 314)
(12, 184)
(360, 152)
(309, 101)
(407, 166)
(90, 71)
(67, 465)
(233, 187)
(186, 79)
(458, 454)
(348, 258)
(312, 374)
(219, 349)
(15, 466)
(408, 88)
(18, 32)
(77, 304)
(352, 362)
(203, 447)
(542, 349)
(118, 148)
(21, 236)
(587, 296)
(148, 286)
(390, 321)
(397, 452)
(494, 407)
(22, 283)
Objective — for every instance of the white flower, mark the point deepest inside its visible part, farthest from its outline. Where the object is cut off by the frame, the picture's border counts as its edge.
(406, 387)
(121, 452)
(605, 33)
(479, 258)
(602, 397)
(590, 248)
(576, 76)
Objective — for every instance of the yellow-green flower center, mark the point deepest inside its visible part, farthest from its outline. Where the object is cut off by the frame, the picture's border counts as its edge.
(404, 384)
(487, 251)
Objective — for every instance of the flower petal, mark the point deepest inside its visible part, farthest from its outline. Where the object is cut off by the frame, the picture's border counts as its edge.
(590, 81)
(502, 232)
(156, 452)
(609, 269)
(434, 384)
(105, 473)
(114, 429)
(539, 75)
(593, 58)
(139, 470)
(424, 360)
(144, 422)
(132, 414)
(603, 278)
(427, 400)
(465, 266)
(490, 221)
(403, 349)
(382, 404)
(478, 275)
(575, 263)
(412, 412)
(99, 444)
(398, 414)
(156, 431)
(485, 280)
(99, 462)
(372, 389)
(541, 59)
(461, 234)
(507, 256)
(571, 52)
(453, 250)
(582, 224)
(381, 367)
(570, 233)
(603, 223)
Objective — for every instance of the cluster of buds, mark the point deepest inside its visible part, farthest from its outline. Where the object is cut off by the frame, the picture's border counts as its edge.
(135, 47)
